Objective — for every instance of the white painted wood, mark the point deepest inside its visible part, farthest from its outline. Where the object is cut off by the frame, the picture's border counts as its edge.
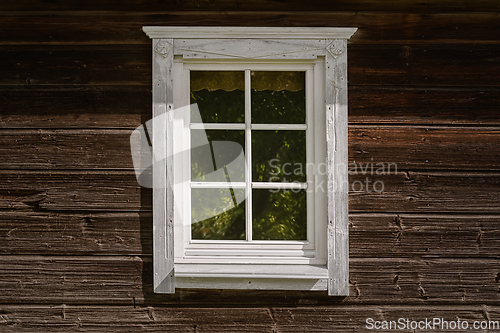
(251, 64)
(252, 283)
(320, 172)
(254, 49)
(256, 244)
(282, 277)
(277, 127)
(181, 159)
(337, 160)
(248, 155)
(279, 186)
(239, 252)
(249, 32)
(217, 126)
(162, 140)
(218, 185)
(249, 48)
(310, 211)
(255, 271)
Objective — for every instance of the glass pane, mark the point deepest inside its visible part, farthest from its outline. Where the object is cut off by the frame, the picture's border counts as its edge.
(279, 215)
(278, 98)
(218, 213)
(217, 156)
(279, 156)
(220, 96)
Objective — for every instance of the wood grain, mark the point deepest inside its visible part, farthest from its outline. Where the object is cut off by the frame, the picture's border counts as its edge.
(128, 281)
(334, 318)
(75, 106)
(423, 235)
(263, 5)
(370, 148)
(423, 105)
(50, 233)
(371, 235)
(103, 190)
(453, 192)
(118, 27)
(76, 65)
(129, 107)
(459, 65)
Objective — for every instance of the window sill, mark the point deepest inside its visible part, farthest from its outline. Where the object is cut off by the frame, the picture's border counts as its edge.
(229, 276)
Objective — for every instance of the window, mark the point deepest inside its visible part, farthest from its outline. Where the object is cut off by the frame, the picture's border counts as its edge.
(252, 193)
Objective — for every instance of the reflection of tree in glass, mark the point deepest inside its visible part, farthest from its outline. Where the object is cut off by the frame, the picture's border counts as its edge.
(204, 159)
(276, 216)
(272, 149)
(223, 222)
(220, 106)
(278, 107)
(279, 215)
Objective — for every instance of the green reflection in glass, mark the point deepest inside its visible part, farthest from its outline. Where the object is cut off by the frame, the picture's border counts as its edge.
(219, 151)
(278, 98)
(279, 156)
(220, 95)
(279, 214)
(217, 215)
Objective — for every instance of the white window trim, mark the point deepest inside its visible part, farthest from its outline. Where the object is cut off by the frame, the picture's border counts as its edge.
(309, 252)
(241, 43)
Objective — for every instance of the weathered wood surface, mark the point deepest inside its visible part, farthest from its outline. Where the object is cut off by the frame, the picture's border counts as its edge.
(52, 233)
(423, 105)
(454, 192)
(82, 65)
(334, 318)
(370, 148)
(128, 280)
(73, 190)
(374, 27)
(423, 148)
(428, 246)
(400, 235)
(370, 235)
(106, 106)
(263, 5)
(426, 192)
(74, 106)
(461, 65)
(426, 65)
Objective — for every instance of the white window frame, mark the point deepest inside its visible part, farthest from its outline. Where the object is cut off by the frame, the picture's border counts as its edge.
(321, 48)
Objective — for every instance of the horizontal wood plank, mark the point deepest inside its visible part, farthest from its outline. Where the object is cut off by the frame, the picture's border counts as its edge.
(67, 149)
(378, 148)
(425, 192)
(112, 27)
(76, 65)
(73, 190)
(24, 232)
(373, 64)
(372, 149)
(426, 6)
(423, 105)
(370, 235)
(128, 107)
(400, 235)
(80, 107)
(119, 191)
(427, 65)
(128, 280)
(334, 318)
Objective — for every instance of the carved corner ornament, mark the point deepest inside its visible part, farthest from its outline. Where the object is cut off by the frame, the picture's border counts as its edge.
(336, 48)
(163, 47)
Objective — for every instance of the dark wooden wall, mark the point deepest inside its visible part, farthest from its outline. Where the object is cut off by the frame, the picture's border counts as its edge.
(75, 227)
